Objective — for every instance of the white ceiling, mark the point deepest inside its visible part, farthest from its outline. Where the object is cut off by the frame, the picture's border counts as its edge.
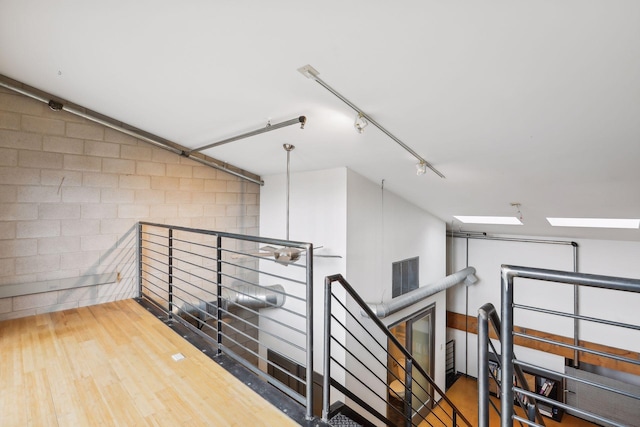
(535, 102)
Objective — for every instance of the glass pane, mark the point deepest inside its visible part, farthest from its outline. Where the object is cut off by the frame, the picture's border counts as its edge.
(396, 376)
(421, 346)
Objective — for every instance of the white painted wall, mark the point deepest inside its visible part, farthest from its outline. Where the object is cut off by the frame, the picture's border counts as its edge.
(377, 238)
(343, 211)
(317, 214)
(383, 228)
(612, 258)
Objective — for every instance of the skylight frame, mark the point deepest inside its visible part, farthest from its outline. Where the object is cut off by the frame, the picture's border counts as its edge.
(606, 223)
(488, 220)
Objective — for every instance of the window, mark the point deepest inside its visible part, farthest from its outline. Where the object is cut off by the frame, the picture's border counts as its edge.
(405, 276)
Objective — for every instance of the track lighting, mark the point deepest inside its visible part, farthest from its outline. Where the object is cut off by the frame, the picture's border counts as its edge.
(363, 118)
(360, 123)
(421, 168)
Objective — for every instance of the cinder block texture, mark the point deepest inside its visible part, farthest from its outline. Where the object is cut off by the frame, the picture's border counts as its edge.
(72, 192)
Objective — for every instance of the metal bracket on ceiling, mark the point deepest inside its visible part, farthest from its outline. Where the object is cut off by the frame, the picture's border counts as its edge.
(55, 105)
(268, 128)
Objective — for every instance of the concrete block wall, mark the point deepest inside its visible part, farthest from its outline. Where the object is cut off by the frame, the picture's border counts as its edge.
(71, 193)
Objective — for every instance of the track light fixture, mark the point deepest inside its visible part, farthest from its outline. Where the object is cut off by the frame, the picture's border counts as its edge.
(421, 168)
(311, 73)
(360, 123)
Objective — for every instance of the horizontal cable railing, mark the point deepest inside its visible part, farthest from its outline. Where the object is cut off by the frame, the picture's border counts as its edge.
(366, 365)
(243, 300)
(605, 393)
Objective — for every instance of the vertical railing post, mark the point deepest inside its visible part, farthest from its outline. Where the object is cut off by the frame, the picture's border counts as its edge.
(408, 392)
(483, 371)
(506, 400)
(139, 260)
(219, 292)
(170, 261)
(309, 413)
(576, 312)
(326, 359)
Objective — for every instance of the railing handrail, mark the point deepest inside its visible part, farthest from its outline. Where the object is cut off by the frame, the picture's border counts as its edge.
(508, 273)
(249, 238)
(592, 280)
(329, 280)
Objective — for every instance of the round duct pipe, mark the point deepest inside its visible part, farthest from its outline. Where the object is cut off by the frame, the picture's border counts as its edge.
(243, 295)
(382, 310)
(251, 296)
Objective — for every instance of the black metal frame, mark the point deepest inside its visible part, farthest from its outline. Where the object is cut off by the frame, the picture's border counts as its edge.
(373, 324)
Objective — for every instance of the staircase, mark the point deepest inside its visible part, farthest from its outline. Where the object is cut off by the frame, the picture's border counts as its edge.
(253, 310)
(357, 374)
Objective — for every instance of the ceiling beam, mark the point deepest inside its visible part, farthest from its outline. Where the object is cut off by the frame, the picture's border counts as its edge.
(58, 105)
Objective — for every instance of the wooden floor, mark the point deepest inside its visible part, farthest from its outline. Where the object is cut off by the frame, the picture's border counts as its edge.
(464, 394)
(111, 365)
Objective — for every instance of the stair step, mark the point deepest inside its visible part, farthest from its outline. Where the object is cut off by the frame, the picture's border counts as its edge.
(342, 420)
(340, 415)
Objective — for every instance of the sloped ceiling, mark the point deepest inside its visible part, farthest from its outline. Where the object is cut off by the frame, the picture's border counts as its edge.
(534, 102)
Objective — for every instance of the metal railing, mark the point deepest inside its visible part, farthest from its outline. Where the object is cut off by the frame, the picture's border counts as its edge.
(598, 389)
(487, 316)
(358, 354)
(450, 365)
(249, 303)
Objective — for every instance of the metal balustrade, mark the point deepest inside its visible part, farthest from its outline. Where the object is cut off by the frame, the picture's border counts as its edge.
(619, 402)
(356, 371)
(244, 301)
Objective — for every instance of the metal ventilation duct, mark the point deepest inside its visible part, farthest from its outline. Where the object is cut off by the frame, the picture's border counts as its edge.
(242, 295)
(466, 275)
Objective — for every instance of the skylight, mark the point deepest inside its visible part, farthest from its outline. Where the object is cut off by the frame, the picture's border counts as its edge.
(494, 220)
(595, 222)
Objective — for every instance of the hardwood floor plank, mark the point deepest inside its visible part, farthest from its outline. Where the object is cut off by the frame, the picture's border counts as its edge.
(13, 411)
(41, 411)
(64, 395)
(111, 365)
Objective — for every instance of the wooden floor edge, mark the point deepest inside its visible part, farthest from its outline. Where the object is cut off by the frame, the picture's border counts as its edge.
(271, 394)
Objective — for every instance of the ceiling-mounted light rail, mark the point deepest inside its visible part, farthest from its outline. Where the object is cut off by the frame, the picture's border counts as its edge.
(121, 127)
(302, 120)
(311, 73)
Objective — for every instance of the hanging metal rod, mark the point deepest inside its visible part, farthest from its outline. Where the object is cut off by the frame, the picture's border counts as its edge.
(120, 127)
(288, 148)
(484, 236)
(302, 120)
(311, 73)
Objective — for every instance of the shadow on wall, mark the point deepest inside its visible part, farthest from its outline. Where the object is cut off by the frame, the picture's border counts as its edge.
(118, 279)
(112, 276)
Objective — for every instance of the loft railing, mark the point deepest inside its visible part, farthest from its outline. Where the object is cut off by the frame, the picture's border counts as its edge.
(487, 316)
(612, 402)
(245, 302)
(357, 369)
